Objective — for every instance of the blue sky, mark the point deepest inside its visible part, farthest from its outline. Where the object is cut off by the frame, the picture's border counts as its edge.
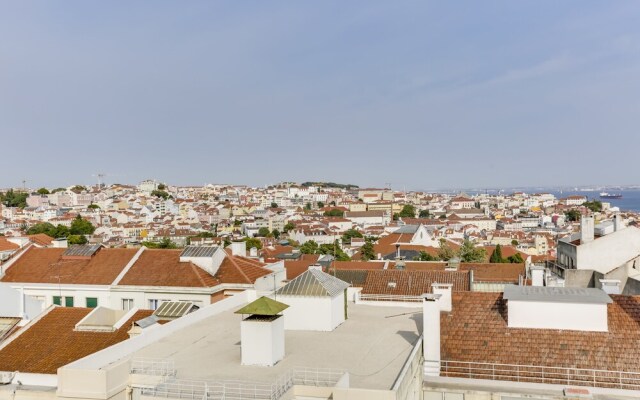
(419, 94)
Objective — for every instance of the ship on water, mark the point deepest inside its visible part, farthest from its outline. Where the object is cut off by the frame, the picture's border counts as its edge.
(605, 195)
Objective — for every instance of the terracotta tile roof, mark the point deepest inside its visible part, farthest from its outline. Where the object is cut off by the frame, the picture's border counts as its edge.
(6, 245)
(476, 331)
(235, 269)
(45, 265)
(357, 265)
(162, 267)
(297, 267)
(51, 342)
(41, 239)
(482, 272)
(412, 283)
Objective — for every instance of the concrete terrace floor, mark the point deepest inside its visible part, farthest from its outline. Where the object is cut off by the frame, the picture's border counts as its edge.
(372, 345)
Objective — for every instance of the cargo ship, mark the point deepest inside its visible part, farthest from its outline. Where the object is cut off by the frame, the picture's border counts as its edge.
(605, 195)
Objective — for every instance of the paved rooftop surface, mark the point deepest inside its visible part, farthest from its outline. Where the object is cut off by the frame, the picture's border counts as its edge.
(372, 345)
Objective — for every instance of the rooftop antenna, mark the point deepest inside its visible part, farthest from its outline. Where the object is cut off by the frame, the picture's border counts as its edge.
(100, 175)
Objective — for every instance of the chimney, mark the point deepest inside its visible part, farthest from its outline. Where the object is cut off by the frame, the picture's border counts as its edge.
(397, 250)
(617, 223)
(431, 334)
(444, 290)
(239, 249)
(586, 229)
(537, 275)
(262, 332)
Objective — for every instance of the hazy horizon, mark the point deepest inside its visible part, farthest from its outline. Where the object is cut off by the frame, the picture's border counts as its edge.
(418, 94)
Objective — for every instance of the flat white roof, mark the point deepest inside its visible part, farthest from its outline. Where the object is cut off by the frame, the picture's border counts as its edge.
(556, 294)
(372, 345)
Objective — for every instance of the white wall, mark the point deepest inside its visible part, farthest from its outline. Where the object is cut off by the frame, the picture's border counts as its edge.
(11, 304)
(308, 313)
(337, 310)
(262, 342)
(609, 252)
(553, 315)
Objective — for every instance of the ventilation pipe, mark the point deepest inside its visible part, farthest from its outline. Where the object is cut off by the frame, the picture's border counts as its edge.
(444, 291)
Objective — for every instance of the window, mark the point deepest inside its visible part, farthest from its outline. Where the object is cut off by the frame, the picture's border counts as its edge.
(155, 303)
(68, 301)
(57, 300)
(127, 304)
(92, 302)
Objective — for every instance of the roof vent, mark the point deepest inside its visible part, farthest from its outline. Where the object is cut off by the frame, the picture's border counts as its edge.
(391, 284)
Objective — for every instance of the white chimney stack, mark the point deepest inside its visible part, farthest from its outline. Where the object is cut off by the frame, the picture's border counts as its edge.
(239, 249)
(587, 227)
(431, 334)
(444, 290)
(617, 223)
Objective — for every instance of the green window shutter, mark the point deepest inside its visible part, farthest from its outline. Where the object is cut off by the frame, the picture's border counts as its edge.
(92, 302)
(57, 300)
(68, 301)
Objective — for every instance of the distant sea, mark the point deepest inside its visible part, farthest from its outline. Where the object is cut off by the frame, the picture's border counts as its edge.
(630, 200)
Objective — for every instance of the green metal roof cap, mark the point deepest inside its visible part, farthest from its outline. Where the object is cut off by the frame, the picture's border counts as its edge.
(263, 306)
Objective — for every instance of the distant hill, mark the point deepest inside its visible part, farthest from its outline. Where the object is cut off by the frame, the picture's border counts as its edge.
(331, 185)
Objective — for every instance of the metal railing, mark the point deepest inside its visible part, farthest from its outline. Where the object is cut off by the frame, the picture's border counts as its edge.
(390, 298)
(556, 268)
(541, 374)
(153, 366)
(241, 390)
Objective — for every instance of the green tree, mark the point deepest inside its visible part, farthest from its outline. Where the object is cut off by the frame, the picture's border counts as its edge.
(424, 256)
(165, 243)
(81, 226)
(263, 232)
(573, 215)
(334, 250)
(43, 191)
(335, 212)
(56, 190)
(514, 242)
(320, 204)
(445, 252)
(309, 247)
(408, 211)
(93, 206)
(14, 199)
(367, 250)
(253, 242)
(77, 239)
(307, 206)
(515, 259)
(160, 194)
(44, 227)
(424, 214)
(470, 253)
(274, 205)
(275, 233)
(349, 234)
(289, 227)
(593, 205)
(162, 186)
(78, 189)
(496, 256)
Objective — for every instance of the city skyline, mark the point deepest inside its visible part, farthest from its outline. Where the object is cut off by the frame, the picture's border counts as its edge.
(422, 95)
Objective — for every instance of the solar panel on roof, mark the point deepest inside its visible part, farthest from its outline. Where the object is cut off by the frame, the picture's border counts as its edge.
(82, 250)
(7, 325)
(198, 251)
(174, 309)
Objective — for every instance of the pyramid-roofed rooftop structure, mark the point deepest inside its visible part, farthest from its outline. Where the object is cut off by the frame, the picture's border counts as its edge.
(263, 306)
(314, 283)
